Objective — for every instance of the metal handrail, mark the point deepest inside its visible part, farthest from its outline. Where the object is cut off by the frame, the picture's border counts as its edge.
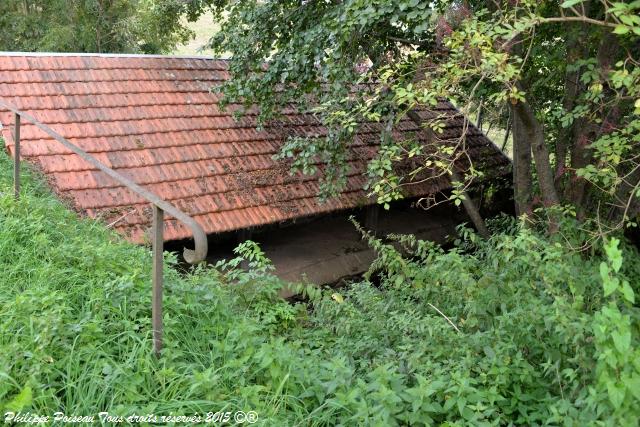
(160, 206)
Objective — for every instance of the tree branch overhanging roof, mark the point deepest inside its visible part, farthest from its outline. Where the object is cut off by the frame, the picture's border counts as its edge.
(155, 120)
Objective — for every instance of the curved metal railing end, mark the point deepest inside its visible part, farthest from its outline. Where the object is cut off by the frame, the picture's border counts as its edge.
(192, 256)
(160, 206)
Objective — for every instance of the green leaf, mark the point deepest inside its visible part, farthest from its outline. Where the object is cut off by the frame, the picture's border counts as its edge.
(337, 298)
(608, 283)
(21, 401)
(489, 352)
(616, 394)
(633, 384)
(621, 29)
(614, 254)
(622, 340)
(627, 292)
(604, 271)
(570, 3)
(449, 403)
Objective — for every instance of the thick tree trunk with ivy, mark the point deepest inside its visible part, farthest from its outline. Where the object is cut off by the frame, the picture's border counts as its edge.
(532, 130)
(585, 131)
(576, 50)
(528, 138)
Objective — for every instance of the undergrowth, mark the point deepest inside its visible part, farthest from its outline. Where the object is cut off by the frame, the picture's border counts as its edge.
(517, 330)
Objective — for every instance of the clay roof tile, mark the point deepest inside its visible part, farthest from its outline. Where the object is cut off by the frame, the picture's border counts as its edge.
(155, 120)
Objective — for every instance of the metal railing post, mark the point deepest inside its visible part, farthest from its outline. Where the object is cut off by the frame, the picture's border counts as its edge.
(16, 156)
(156, 307)
(160, 206)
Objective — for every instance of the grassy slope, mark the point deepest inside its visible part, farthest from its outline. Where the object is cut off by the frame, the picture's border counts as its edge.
(74, 332)
(74, 324)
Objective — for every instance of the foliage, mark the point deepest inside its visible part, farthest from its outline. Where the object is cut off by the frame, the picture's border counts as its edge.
(109, 26)
(513, 330)
(615, 327)
(564, 75)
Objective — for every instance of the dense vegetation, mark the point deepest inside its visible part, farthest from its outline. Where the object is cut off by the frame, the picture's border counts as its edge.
(536, 322)
(109, 26)
(517, 329)
(565, 75)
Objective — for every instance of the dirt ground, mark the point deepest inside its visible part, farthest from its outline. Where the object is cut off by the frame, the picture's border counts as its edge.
(329, 248)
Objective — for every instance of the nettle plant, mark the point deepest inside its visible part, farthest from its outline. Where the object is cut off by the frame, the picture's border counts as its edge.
(514, 329)
(259, 289)
(616, 338)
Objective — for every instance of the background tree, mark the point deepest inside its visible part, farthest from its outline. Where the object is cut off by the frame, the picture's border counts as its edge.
(567, 73)
(116, 26)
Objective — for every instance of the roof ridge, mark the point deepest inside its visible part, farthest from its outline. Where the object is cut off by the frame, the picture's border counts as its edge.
(110, 55)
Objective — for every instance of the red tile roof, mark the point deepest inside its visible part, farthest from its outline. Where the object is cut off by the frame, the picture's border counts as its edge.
(154, 120)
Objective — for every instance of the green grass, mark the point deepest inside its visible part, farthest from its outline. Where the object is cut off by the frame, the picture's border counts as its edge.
(75, 331)
(75, 321)
(204, 28)
(496, 135)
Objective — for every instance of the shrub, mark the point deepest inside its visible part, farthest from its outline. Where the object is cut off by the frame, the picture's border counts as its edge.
(518, 329)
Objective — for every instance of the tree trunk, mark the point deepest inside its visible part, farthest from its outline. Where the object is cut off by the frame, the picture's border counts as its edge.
(533, 130)
(571, 87)
(506, 134)
(627, 204)
(470, 207)
(522, 181)
(586, 131)
(577, 48)
(580, 157)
